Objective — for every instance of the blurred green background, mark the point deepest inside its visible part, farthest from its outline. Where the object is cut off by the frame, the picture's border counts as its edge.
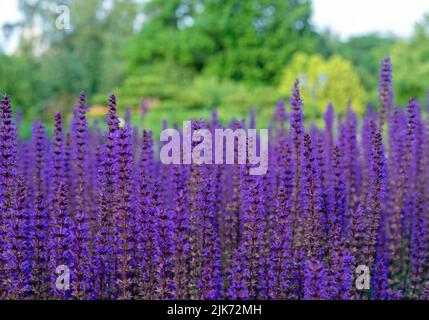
(185, 57)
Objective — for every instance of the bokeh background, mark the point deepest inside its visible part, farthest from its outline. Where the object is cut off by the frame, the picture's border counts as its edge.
(179, 59)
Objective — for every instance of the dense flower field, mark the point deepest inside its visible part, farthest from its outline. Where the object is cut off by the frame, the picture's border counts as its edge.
(126, 226)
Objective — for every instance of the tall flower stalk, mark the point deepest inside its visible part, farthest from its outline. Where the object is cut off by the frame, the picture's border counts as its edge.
(81, 252)
(98, 202)
(11, 217)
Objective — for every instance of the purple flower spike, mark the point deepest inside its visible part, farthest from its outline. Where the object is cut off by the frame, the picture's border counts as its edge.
(96, 203)
(81, 276)
(385, 92)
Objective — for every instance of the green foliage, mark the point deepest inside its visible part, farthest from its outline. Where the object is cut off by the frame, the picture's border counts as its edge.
(188, 56)
(14, 79)
(411, 64)
(89, 56)
(323, 81)
(231, 39)
(157, 81)
(365, 53)
(175, 93)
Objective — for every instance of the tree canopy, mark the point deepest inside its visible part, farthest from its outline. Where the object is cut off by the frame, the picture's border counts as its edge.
(323, 81)
(197, 54)
(410, 58)
(234, 39)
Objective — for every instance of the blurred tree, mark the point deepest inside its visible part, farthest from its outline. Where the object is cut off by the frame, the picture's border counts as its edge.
(88, 56)
(161, 81)
(14, 79)
(323, 81)
(176, 51)
(171, 88)
(411, 64)
(241, 40)
(365, 53)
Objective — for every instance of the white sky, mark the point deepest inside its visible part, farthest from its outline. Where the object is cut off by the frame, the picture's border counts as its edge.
(8, 13)
(343, 17)
(353, 17)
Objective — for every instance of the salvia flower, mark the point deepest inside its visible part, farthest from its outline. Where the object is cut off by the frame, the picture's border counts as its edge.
(99, 208)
